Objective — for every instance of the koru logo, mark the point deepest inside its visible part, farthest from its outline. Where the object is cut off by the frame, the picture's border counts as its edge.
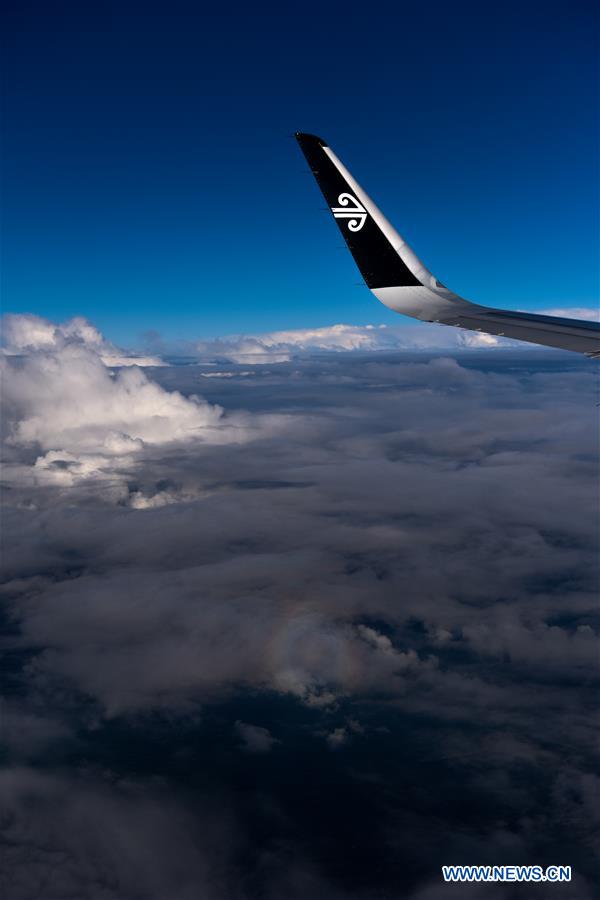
(352, 210)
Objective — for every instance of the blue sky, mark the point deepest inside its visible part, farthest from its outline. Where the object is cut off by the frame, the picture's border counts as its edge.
(151, 181)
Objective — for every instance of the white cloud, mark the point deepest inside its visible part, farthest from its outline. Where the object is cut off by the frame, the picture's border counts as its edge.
(68, 399)
(332, 337)
(139, 500)
(87, 421)
(226, 374)
(592, 313)
(28, 333)
(474, 339)
(281, 346)
(61, 397)
(61, 468)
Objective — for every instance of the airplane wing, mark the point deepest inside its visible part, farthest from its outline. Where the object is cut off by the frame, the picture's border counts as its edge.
(400, 280)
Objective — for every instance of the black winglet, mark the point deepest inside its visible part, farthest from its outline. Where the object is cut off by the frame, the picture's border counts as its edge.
(361, 223)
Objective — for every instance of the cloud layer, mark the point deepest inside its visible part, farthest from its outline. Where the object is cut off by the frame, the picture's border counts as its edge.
(317, 663)
(281, 346)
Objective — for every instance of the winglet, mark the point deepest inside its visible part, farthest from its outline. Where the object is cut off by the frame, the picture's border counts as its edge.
(382, 256)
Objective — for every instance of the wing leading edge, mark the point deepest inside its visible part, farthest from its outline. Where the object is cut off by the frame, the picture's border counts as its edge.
(399, 279)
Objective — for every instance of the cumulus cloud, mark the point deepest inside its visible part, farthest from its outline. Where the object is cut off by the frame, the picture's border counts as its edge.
(26, 333)
(84, 420)
(69, 399)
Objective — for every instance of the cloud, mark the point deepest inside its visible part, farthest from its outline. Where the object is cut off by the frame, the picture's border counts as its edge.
(285, 345)
(27, 734)
(79, 836)
(26, 333)
(281, 346)
(262, 584)
(337, 738)
(68, 399)
(403, 571)
(62, 398)
(255, 738)
(591, 313)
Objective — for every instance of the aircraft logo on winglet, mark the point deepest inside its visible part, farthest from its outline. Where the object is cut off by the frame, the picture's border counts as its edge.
(356, 214)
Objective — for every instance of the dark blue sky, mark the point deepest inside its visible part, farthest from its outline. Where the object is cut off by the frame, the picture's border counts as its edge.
(151, 180)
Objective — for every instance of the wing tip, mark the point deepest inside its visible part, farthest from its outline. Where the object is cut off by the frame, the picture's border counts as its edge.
(306, 139)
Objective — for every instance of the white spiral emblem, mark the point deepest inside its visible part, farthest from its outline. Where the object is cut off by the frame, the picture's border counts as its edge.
(355, 213)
